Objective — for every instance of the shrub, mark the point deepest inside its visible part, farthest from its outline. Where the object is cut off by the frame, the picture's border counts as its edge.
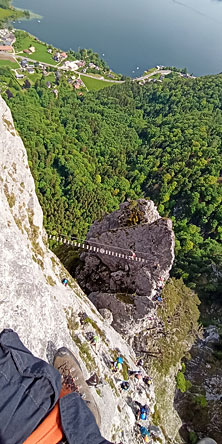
(201, 401)
(182, 384)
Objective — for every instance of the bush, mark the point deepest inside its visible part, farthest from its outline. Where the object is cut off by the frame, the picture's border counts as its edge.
(192, 438)
(182, 384)
(201, 401)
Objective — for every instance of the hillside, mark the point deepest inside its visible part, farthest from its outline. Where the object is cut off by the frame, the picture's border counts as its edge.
(161, 141)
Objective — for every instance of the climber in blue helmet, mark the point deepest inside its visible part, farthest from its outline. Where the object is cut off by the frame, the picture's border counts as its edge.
(143, 412)
(120, 360)
(65, 282)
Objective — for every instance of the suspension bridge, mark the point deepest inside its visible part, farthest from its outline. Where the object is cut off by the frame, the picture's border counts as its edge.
(108, 250)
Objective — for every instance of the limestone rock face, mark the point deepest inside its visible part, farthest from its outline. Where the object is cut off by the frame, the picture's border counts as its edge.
(34, 302)
(127, 286)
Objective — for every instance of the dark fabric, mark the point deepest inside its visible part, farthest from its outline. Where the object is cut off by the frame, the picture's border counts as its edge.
(29, 389)
(78, 421)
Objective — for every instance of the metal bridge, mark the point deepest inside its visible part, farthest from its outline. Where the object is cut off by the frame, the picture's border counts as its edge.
(109, 250)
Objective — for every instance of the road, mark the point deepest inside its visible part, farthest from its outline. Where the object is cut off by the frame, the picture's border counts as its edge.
(162, 72)
(100, 78)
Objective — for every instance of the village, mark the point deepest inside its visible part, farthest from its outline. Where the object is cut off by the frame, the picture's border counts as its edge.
(30, 60)
(37, 59)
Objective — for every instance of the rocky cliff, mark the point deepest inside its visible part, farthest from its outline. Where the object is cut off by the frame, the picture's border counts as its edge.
(201, 406)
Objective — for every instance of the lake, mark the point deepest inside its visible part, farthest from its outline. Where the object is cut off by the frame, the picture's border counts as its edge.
(134, 35)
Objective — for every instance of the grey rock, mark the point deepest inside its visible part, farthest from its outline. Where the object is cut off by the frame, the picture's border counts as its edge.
(207, 441)
(107, 315)
(135, 227)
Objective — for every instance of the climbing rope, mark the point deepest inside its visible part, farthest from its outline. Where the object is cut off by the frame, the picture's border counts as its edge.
(104, 249)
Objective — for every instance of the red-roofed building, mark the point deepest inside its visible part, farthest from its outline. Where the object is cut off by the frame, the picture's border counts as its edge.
(6, 48)
(63, 54)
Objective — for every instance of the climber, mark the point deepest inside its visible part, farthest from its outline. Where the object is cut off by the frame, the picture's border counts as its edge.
(44, 399)
(143, 412)
(140, 363)
(118, 364)
(144, 432)
(125, 385)
(65, 282)
(147, 381)
(138, 374)
(94, 341)
(133, 254)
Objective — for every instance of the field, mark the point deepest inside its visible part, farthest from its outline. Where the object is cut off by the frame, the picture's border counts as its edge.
(9, 63)
(13, 14)
(5, 13)
(25, 40)
(94, 84)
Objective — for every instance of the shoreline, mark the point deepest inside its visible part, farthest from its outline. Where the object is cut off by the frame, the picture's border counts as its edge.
(32, 15)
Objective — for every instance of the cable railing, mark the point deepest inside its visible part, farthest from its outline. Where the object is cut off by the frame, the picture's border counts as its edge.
(103, 249)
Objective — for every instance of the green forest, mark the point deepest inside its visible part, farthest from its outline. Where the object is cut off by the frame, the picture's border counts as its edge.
(161, 141)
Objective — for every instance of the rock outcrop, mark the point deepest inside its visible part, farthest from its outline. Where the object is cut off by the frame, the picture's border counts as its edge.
(128, 288)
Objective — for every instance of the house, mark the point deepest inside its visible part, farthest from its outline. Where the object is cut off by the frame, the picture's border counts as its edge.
(81, 63)
(72, 66)
(55, 92)
(30, 70)
(6, 48)
(32, 49)
(24, 63)
(78, 83)
(56, 57)
(91, 65)
(63, 55)
(26, 51)
(48, 84)
(50, 51)
(7, 42)
(19, 76)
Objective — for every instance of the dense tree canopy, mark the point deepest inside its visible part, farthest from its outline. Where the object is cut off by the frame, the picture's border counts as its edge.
(161, 141)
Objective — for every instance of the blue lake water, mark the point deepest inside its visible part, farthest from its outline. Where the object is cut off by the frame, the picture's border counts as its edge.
(131, 34)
